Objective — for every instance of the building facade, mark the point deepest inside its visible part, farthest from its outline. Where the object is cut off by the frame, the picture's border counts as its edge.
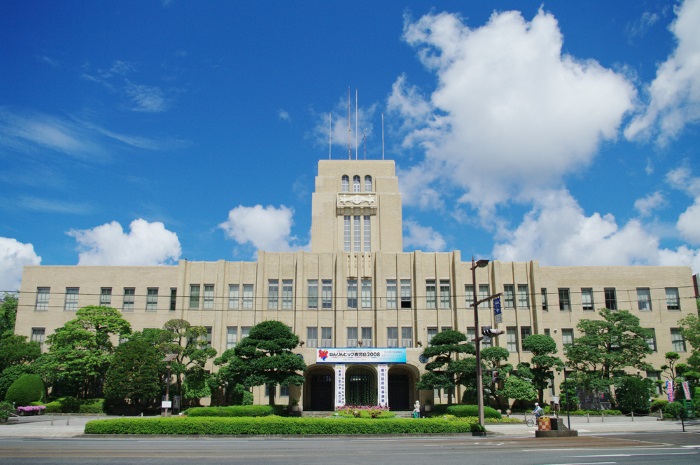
(363, 308)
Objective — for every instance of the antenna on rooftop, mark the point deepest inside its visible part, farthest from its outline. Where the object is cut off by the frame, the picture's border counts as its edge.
(330, 133)
(382, 136)
(364, 138)
(349, 130)
(356, 124)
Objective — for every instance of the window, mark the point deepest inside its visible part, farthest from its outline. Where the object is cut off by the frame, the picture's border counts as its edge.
(245, 331)
(610, 298)
(651, 341)
(655, 377)
(391, 293)
(312, 294)
(346, 233)
(483, 294)
(357, 227)
(152, 299)
(368, 183)
(128, 305)
(677, 340)
(432, 331)
(345, 183)
(469, 295)
(367, 336)
(543, 292)
(366, 293)
(42, 298)
(567, 336)
(38, 335)
(445, 293)
(287, 294)
(273, 290)
(173, 298)
(471, 334)
(208, 296)
(512, 338)
(406, 336)
(644, 299)
(525, 332)
(547, 332)
(523, 301)
(672, 299)
(71, 304)
(587, 298)
(284, 391)
(368, 234)
(233, 293)
(327, 293)
(231, 337)
(311, 336)
(207, 337)
(352, 293)
(564, 299)
(392, 336)
(508, 297)
(326, 336)
(430, 294)
(247, 296)
(405, 293)
(352, 337)
(356, 183)
(194, 296)
(106, 296)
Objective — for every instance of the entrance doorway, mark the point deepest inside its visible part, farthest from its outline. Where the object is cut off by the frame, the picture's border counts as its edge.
(399, 396)
(360, 386)
(320, 393)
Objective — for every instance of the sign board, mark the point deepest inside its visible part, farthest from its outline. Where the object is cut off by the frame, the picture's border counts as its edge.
(669, 391)
(166, 404)
(498, 316)
(368, 355)
(686, 390)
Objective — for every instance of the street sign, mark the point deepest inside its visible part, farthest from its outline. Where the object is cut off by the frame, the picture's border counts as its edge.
(498, 316)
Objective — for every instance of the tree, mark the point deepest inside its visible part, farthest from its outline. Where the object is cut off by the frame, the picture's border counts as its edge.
(16, 355)
(493, 358)
(265, 357)
(632, 394)
(81, 351)
(445, 370)
(8, 314)
(542, 362)
(690, 328)
(518, 388)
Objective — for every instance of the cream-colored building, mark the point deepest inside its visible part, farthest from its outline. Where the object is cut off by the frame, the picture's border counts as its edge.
(362, 306)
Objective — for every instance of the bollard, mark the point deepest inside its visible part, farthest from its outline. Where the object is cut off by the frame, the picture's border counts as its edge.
(51, 420)
(68, 420)
(632, 415)
(588, 417)
(602, 416)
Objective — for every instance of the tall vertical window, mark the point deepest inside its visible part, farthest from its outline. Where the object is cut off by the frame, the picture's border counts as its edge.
(231, 337)
(345, 183)
(644, 299)
(245, 331)
(432, 331)
(523, 301)
(445, 297)
(610, 298)
(406, 300)
(512, 338)
(128, 304)
(508, 296)
(672, 299)
(71, 304)
(677, 340)
(564, 299)
(346, 233)
(357, 227)
(430, 294)
(152, 299)
(42, 298)
(471, 334)
(525, 332)
(208, 296)
(483, 294)
(406, 336)
(567, 336)
(352, 336)
(247, 296)
(106, 296)
(368, 234)
(367, 336)
(38, 335)
(287, 294)
(233, 295)
(207, 337)
(194, 296)
(327, 293)
(326, 336)
(173, 299)
(587, 298)
(356, 183)
(366, 293)
(469, 295)
(352, 293)
(543, 293)
(273, 290)
(651, 340)
(368, 183)
(311, 336)
(312, 294)
(391, 293)
(392, 336)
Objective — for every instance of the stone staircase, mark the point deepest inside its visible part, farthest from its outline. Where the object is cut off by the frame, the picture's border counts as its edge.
(327, 413)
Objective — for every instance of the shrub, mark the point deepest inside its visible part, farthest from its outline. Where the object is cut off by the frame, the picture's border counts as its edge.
(92, 406)
(232, 411)
(673, 410)
(68, 404)
(27, 389)
(471, 411)
(5, 410)
(658, 404)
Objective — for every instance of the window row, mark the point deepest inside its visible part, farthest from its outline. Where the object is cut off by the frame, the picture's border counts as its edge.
(671, 299)
(356, 183)
(357, 233)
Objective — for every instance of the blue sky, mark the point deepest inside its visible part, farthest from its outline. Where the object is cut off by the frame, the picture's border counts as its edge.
(142, 132)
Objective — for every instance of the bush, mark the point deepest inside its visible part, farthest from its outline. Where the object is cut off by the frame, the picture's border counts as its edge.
(27, 389)
(232, 411)
(673, 410)
(70, 404)
(658, 404)
(92, 406)
(5, 410)
(9, 375)
(277, 426)
(461, 411)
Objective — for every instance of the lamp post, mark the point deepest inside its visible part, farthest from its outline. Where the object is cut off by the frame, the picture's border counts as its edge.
(477, 342)
(166, 404)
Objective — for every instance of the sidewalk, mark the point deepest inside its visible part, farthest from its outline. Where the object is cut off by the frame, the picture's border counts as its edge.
(46, 426)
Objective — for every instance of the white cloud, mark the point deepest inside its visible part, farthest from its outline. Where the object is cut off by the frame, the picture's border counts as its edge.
(419, 237)
(675, 92)
(146, 244)
(266, 228)
(284, 115)
(508, 105)
(14, 255)
(146, 99)
(646, 205)
(689, 223)
(342, 134)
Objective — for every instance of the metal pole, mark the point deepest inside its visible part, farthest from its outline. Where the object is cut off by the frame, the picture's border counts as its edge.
(566, 388)
(477, 352)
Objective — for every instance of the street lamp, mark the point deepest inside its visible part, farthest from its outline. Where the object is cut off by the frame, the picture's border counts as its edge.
(477, 341)
(166, 404)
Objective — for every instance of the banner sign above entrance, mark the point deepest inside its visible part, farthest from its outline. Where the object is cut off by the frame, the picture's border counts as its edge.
(369, 355)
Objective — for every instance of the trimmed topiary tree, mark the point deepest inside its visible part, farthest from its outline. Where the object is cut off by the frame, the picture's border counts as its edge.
(27, 389)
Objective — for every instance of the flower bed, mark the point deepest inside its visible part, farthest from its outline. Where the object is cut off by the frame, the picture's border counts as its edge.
(31, 410)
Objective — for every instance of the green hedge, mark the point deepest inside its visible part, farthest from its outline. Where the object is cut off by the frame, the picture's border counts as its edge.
(26, 389)
(274, 425)
(232, 411)
(461, 411)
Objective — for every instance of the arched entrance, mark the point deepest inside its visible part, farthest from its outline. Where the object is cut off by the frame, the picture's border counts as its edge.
(361, 385)
(401, 387)
(318, 394)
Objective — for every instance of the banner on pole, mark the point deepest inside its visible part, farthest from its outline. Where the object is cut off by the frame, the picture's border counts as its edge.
(498, 316)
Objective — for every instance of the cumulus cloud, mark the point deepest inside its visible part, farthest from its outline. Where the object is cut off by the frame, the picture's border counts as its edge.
(335, 124)
(14, 255)
(417, 237)
(674, 95)
(646, 205)
(508, 105)
(688, 224)
(144, 245)
(265, 228)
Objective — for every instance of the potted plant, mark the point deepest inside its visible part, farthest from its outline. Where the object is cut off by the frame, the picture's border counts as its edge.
(294, 404)
(428, 405)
